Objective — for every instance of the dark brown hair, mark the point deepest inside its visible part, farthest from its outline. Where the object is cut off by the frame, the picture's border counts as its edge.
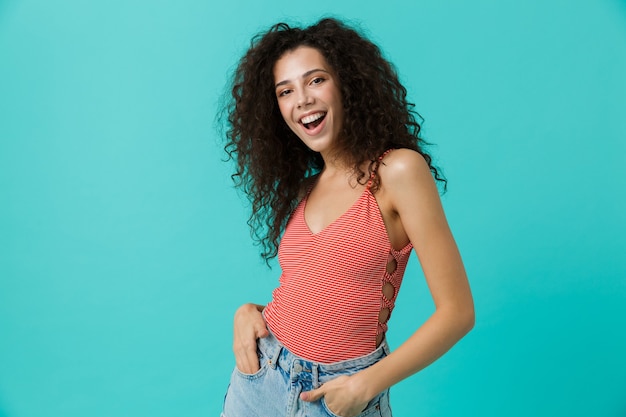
(272, 162)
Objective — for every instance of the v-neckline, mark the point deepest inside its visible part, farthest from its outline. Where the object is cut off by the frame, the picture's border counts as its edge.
(348, 210)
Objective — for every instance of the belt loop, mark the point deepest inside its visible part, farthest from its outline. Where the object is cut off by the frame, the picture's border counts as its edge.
(315, 375)
(272, 349)
(272, 345)
(276, 356)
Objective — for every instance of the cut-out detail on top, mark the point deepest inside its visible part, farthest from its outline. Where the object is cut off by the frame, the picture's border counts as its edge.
(392, 264)
(389, 291)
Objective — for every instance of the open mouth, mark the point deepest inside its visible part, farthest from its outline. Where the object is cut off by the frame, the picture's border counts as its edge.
(313, 120)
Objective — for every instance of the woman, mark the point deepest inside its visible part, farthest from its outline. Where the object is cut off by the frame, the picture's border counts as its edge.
(328, 149)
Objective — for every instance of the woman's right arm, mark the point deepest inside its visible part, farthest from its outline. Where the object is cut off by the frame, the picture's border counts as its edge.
(249, 325)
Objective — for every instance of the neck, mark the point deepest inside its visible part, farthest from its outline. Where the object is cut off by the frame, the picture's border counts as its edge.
(334, 162)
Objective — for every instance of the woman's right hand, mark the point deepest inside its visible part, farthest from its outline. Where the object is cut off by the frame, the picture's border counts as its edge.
(249, 325)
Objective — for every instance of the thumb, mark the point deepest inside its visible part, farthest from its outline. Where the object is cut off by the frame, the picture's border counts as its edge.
(312, 395)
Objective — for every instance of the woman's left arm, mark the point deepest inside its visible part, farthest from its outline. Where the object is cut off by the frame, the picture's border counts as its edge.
(411, 194)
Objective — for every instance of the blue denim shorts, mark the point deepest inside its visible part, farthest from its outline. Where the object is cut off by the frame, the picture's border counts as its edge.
(274, 391)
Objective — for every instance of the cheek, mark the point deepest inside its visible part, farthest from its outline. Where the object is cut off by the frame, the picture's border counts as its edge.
(284, 112)
(286, 116)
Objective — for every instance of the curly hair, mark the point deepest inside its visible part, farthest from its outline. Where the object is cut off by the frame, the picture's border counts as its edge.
(271, 161)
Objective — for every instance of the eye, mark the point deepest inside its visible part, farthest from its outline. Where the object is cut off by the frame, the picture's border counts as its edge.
(283, 93)
(317, 80)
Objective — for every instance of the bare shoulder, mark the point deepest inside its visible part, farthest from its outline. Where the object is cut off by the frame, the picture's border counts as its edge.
(404, 168)
(408, 197)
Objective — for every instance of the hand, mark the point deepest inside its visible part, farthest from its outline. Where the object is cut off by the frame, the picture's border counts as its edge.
(248, 327)
(342, 396)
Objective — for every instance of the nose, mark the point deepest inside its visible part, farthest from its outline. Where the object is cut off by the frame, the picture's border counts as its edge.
(304, 99)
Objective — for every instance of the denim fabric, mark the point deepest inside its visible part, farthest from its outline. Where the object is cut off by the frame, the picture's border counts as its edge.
(274, 391)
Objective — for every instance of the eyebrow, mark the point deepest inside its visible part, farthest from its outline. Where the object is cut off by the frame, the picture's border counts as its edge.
(306, 74)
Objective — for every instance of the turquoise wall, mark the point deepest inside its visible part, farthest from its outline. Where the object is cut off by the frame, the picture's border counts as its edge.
(124, 249)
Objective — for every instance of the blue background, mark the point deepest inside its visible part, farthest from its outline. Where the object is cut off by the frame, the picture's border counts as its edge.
(124, 249)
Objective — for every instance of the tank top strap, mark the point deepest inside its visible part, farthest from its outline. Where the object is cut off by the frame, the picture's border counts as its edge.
(375, 164)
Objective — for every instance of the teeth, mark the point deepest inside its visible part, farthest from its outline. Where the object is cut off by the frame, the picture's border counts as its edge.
(311, 118)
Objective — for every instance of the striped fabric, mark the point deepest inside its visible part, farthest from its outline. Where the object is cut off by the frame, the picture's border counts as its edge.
(326, 308)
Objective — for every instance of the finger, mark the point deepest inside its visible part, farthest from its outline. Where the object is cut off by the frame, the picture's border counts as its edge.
(312, 395)
(252, 360)
(261, 330)
(248, 364)
(247, 359)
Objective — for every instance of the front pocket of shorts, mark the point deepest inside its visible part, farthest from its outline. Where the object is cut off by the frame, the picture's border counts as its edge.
(372, 409)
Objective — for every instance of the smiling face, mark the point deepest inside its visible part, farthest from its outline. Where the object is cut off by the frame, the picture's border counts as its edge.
(308, 96)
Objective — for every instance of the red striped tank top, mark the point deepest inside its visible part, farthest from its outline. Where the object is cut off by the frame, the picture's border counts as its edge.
(326, 307)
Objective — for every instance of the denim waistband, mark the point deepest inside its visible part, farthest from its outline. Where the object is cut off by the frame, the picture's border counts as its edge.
(279, 355)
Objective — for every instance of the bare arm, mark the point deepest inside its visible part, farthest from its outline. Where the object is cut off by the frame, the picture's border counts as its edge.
(410, 192)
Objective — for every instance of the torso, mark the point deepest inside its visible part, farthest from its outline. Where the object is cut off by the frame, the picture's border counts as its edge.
(343, 257)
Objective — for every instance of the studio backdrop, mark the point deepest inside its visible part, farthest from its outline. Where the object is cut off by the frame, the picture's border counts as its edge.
(124, 249)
